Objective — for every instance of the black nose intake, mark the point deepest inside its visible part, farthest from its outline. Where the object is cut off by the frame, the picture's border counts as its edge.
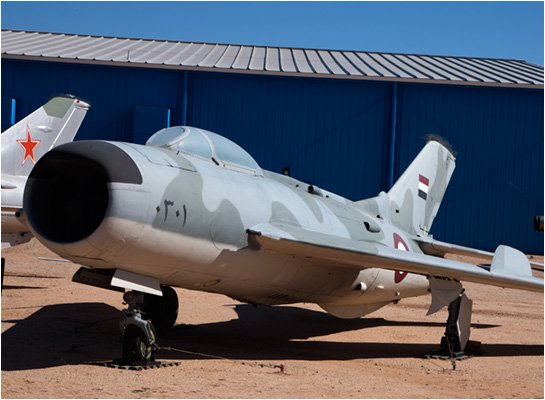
(67, 194)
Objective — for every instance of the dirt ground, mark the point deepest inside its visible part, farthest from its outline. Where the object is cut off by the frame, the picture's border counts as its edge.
(53, 330)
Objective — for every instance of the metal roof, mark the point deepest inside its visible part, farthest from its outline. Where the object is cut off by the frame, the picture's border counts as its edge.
(270, 60)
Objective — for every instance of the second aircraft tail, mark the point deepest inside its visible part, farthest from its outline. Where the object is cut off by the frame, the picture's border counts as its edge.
(54, 123)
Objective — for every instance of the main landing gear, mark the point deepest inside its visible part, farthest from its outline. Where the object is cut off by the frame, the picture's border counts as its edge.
(456, 338)
(455, 344)
(144, 313)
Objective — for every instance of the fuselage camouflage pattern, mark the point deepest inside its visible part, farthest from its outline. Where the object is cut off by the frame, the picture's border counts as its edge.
(194, 210)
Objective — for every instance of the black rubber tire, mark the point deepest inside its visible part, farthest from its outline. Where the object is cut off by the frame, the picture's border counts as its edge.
(135, 348)
(3, 265)
(162, 311)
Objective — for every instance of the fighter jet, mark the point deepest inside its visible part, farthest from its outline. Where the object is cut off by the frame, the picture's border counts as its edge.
(55, 123)
(192, 209)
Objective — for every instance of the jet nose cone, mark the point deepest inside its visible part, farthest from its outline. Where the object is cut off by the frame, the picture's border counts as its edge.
(67, 194)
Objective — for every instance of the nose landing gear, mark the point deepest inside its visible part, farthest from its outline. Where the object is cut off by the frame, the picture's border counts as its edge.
(139, 338)
(144, 313)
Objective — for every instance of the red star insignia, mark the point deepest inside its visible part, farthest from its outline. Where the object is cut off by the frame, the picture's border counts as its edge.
(29, 145)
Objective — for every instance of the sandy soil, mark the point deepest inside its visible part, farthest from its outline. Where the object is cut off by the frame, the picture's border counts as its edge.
(53, 330)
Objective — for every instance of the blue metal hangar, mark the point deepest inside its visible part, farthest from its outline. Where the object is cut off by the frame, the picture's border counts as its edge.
(347, 121)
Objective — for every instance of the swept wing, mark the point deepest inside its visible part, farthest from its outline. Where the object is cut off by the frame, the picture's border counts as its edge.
(510, 268)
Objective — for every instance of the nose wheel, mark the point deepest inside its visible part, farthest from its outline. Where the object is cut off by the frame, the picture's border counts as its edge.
(136, 347)
(139, 338)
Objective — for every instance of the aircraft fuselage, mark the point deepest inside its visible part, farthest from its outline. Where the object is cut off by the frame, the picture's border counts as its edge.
(184, 221)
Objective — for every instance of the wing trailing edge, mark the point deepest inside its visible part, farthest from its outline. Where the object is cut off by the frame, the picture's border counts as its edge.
(348, 253)
(440, 249)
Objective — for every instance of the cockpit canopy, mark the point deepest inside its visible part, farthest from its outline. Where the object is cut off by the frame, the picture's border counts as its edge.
(205, 145)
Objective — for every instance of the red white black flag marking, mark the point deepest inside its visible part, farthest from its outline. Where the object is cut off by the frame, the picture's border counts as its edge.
(423, 184)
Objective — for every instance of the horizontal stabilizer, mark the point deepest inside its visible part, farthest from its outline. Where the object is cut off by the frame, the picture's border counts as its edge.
(348, 253)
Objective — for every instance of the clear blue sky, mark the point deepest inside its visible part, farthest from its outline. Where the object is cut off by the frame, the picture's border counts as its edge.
(476, 29)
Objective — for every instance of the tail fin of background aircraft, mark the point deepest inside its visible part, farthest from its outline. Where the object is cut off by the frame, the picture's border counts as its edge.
(412, 203)
(416, 196)
(54, 123)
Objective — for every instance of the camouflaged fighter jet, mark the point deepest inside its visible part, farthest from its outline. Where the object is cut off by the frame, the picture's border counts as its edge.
(192, 209)
(23, 144)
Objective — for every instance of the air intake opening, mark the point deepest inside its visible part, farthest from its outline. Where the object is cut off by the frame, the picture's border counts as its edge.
(66, 197)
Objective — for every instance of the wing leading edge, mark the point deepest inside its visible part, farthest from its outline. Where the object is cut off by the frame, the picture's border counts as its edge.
(349, 253)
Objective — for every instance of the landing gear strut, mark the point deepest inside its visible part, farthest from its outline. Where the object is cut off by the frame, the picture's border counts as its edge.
(144, 313)
(455, 342)
(139, 339)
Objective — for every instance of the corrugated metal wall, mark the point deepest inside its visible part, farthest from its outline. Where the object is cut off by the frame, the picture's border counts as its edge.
(334, 133)
(112, 92)
(497, 187)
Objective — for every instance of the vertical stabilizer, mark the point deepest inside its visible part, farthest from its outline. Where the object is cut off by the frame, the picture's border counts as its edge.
(415, 198)
(26, 142)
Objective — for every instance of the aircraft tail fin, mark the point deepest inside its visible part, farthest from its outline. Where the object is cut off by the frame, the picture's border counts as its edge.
(416, 196)
(54, 123)
(412, 203)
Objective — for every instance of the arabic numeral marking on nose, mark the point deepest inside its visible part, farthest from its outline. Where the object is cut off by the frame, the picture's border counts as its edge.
(167, 204)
